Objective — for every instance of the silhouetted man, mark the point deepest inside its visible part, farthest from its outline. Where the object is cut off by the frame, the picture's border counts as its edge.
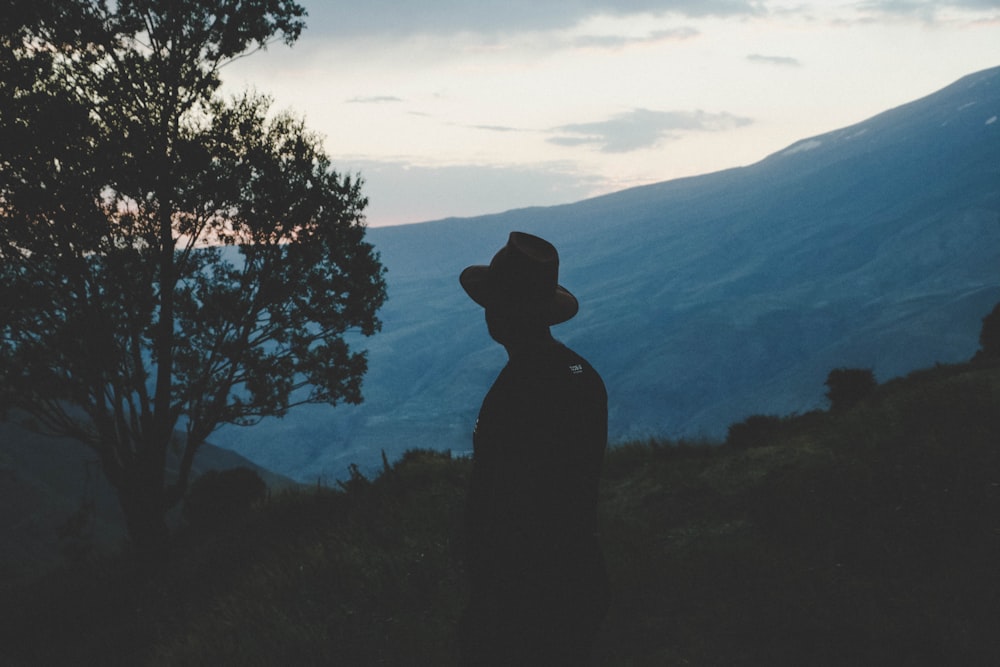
(539, 588)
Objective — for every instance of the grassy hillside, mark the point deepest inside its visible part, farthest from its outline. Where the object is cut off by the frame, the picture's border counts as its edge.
(866, 537)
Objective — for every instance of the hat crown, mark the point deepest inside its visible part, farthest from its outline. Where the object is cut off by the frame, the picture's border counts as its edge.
(523, 275)
(526, 268)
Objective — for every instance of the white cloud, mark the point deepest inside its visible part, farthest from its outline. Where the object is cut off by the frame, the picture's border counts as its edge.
(443, 17)
(925, 10)
(375, 99)
(773, 60)
(908, 6)
(623, 41)
(495, 128)
(643, 128)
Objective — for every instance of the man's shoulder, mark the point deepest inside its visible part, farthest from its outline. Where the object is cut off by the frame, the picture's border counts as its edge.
(555, 361)
(544, 377)
(572, 367)
(574, 361)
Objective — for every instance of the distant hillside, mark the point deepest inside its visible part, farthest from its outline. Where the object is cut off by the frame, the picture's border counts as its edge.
(43, 481)
(868, 536)
(703, 299)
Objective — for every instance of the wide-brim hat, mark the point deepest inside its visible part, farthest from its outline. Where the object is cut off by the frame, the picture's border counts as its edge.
(523, 274)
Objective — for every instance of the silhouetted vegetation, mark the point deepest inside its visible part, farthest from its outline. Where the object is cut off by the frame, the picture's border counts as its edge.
(754, 431)
(170, 259)
(846, 387)
(989, 336)
(862, 536)
(218, 497)
(76, 534)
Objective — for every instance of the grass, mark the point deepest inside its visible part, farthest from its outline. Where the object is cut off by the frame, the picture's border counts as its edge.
(864, 537)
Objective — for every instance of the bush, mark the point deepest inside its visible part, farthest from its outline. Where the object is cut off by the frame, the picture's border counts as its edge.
(989, 336)
(849, 386)
(754, 431)
(217, 497)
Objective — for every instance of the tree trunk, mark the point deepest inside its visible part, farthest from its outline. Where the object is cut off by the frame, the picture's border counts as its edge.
(142, 501)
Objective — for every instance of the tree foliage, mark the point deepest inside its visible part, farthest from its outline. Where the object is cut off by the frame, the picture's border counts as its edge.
(219, 497)
(169, 259)
(754, 431)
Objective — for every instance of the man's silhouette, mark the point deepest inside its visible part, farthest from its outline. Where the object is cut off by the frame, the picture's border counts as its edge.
(539, 588)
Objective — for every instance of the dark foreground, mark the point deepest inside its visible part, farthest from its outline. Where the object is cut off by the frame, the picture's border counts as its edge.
(866, 537)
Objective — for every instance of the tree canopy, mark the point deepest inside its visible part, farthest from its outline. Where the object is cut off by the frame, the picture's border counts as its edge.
(170, 260)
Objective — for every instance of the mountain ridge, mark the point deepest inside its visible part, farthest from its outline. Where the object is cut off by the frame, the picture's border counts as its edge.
(703, 299)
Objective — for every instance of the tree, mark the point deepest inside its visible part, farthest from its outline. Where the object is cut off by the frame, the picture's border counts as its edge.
(989, 336)
(170, 261)
(846, 387)
(754, 431)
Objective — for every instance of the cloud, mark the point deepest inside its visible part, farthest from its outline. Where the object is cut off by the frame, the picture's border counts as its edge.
(444, 17)
(911, 6)
(620, 42)
(773, 60)
(926, 10)
(494, 128)
(376, 99)
(643, 128)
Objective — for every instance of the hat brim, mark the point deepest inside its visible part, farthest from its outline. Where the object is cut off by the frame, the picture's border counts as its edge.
(474, 280)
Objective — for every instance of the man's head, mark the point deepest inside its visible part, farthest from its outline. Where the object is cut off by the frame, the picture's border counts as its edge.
(521, 283)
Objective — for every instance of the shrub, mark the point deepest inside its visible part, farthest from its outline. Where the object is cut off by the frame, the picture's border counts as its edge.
(76, 533)
(989, 336)
(754, 431)
(846, 387)
(217, 497)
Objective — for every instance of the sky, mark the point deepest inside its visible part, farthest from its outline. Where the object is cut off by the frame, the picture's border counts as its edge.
(463, 107)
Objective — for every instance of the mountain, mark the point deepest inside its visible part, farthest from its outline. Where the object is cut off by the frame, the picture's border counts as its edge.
(703, 300)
